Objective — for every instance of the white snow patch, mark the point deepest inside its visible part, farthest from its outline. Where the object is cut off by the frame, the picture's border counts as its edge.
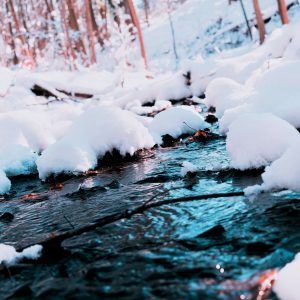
(176, 121)
(188, 167)
(287, 282)
(17, 160)
(224, 93)
(5, 183)
(256, 140)
(9, 255)
(284, 173)
(6, 79)
(96, 132)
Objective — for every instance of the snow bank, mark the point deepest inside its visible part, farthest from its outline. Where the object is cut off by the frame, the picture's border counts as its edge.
(5, 183)
(17, 160)
(256, 140)
(287, 283)
(224, 93)
(176, 121)
(9, 255)
(188, 167)
(272, 90)
(27, 128)
(284, 173)
(6, 79)
(23, 134)
(94, 133)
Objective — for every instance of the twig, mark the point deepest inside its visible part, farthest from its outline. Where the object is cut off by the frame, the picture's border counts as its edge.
(189, 126)
(54, 242)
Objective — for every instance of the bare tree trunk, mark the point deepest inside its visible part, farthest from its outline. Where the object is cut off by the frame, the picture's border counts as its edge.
(69, 51)
(95, 28)
(90, 33)
(79, 45)
(25, 45)
(146, 8)
(260, 21)
(136, 23)
(283, 11)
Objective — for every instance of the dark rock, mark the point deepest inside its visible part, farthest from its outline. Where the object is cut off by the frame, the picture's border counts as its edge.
(212, 110)
(215, 231)
(211, 119)
(6, 217)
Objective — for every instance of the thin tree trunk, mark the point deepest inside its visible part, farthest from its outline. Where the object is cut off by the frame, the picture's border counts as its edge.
(79, 45)
(283, 11)
(69, 51)
(136, 23)
(94, 25)
(260, 21)
(90, 33)
(25, 45)
(146, 8)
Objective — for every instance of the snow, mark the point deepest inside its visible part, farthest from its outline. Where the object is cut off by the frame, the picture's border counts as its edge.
(96, 132)
(6, 79)
(175, 122)
(17, 160)
(5, 183)
(284, 173)
(9, 255)
(266, 92)
(253, 83)
(287, 282)
(188, 167)
(256, 140)
(224, 93)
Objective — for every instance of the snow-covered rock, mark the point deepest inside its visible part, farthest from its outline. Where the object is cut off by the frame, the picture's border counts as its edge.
(5, 183)
(287, 282)
(17, 160)
(6, 79)
(224, 93)
(188, 167)
(175, 122)
(27, 128)
(284, 173)
(9, 255)
(272, 90)
(94, 133)
(256, 140)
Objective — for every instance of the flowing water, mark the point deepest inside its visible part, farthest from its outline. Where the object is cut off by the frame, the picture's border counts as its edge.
(204, 249)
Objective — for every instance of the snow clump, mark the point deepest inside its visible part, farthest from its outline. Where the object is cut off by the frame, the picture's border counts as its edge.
(96, 132)
(287, 283)
(188, 167)
(9, 255)
(175, 122)
(256, 140)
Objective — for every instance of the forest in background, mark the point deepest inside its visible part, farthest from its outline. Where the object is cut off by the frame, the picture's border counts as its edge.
(73, 31)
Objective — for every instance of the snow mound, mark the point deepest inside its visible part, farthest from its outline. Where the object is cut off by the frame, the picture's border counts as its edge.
(6, 79)
(94, 133)
(176, 121)
(284, 172)
(224, 93)
(256, 140)
(5, 183)
(187, 167)
(26, 128)
(17, 160)
(9, 255)
(287, 283)
(272, 90)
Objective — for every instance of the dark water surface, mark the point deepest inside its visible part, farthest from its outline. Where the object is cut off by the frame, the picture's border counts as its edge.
(208, 249)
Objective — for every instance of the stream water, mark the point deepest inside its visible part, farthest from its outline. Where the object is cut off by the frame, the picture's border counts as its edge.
(208, 249)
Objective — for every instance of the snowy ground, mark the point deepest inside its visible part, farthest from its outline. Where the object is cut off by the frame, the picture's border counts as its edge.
(255, 90)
